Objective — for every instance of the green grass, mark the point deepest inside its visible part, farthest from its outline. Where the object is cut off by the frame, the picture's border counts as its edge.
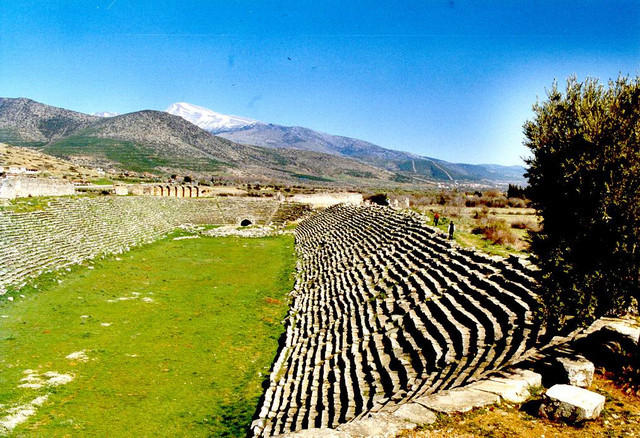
(188, 363)
(311, 177)
(469, 240)
(102, 181)
(23, 205)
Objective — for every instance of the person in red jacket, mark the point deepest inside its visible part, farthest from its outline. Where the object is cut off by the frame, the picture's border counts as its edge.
(436, 218)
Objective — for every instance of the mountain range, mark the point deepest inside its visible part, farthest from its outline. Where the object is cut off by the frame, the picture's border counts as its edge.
(161, 143)
(248, 131)
(191, 139)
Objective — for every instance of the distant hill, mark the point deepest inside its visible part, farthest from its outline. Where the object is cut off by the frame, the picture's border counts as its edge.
(24, 122)
(46, 165)
(156, 141)
(163, 143)
(406, 165)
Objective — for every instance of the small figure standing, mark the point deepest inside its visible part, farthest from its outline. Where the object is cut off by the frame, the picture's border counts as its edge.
(436, 218)
(452, 228)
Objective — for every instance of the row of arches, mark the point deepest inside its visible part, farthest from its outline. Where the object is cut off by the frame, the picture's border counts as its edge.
(175, 191)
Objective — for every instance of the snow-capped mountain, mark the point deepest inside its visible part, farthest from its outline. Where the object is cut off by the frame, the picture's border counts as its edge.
(208, 120)
(105, 114)
(252, 132)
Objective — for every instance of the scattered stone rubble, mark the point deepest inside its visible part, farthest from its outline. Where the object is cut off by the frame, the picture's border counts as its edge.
(386, 312)
(253, 231)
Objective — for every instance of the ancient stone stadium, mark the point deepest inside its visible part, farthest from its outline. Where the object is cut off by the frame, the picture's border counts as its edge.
(384, 311)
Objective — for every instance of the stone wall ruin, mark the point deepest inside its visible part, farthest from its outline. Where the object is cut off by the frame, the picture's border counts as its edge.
(12, 187)
(324, 200)
(167, 190)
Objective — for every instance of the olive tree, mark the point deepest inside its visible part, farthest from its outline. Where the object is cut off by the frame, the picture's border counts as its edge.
(584, 181)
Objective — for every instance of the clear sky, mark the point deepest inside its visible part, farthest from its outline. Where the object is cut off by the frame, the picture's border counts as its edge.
(448, 79)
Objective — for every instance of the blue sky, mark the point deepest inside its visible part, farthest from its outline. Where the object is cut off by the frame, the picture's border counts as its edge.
(448, 79)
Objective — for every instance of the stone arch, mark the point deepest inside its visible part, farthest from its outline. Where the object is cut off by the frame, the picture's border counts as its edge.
(246, 222)
(188, 191)
(197, 191)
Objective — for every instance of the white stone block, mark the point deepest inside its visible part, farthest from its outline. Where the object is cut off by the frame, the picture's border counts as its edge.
(415, 413)
(458, 400)
(571, 404)
(315, 433)
(378, 425)
(579, 370)
(512, 386)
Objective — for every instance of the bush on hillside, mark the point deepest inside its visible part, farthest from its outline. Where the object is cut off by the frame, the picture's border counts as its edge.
(584, 182)
(495, 231)
(524, 224)
(378, 198)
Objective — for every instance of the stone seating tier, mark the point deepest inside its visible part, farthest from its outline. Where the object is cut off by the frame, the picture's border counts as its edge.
(71, 230)
(386, 310)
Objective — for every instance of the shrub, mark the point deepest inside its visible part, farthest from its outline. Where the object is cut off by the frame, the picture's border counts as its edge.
(482, 213)
(522, 225)
(378, 198)
(517, 202)
(584, 181)
(515, 191)
(496, 231)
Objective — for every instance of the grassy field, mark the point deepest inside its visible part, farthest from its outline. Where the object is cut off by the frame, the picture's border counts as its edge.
(171, 339)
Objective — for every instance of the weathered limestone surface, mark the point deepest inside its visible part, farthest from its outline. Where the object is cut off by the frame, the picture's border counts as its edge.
(513, 387)
(316, 433)
(386, 311)
(378, 425)
(323, 200)
(578, 370)
(571, 404)
(71, 230)
(459, 400)
(608, 340)
(415, 413)
(21, 187)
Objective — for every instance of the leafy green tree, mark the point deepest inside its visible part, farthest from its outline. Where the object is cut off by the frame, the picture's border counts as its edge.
(584, 178)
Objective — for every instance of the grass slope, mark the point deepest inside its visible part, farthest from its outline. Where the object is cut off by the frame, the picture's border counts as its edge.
(181, 349)
(128, 154)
